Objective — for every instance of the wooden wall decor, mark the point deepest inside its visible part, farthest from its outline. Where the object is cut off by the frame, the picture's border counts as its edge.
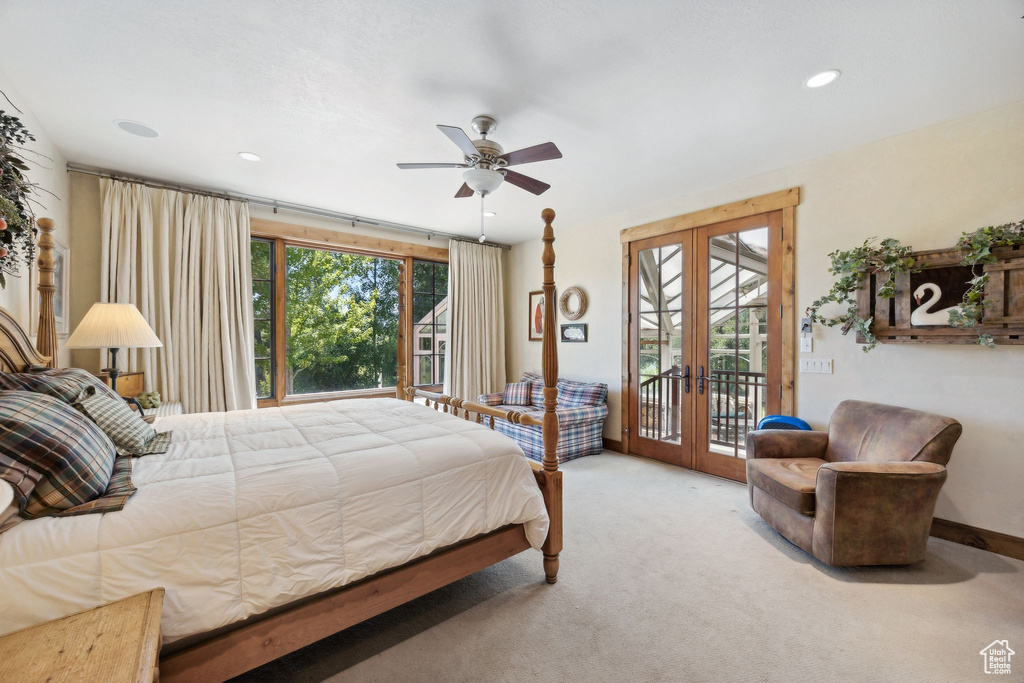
(939, 286)
(569, 309)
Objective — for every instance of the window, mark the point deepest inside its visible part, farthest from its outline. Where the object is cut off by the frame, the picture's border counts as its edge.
(341, 321)
(263, 315)
(325, 310)
(429, 321)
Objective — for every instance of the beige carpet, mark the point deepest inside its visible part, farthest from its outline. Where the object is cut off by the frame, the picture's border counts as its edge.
(669, 575)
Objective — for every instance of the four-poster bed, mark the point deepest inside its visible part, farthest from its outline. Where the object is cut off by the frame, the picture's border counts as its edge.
(221, 653)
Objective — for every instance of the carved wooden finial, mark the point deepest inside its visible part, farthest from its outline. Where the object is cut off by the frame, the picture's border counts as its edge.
(551, 484)
(46, 337)
(549, 432)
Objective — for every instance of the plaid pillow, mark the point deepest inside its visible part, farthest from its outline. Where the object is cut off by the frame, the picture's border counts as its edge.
(129, 432)
(537, 394)
(52, 455)
(517, 394)
(575, 394)
(63, 383)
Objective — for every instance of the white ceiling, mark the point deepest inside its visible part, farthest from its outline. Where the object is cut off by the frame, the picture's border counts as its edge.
(646, 99)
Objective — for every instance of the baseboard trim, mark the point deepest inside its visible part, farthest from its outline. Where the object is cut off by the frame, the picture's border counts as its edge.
(992, 541)
(612, 445)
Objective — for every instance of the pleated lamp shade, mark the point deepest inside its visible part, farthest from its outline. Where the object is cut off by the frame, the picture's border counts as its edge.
(113, 326)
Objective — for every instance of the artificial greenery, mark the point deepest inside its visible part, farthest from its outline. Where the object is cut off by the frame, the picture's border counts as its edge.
(888, 256)
(17, 221)
(891, 257)
(975, 249)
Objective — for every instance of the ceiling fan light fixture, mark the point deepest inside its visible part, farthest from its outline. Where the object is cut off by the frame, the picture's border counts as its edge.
(482, 180)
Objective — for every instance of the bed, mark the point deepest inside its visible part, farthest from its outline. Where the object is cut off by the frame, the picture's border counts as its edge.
(273, 528)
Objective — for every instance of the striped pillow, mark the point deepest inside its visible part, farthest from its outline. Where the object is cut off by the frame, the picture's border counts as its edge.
(53, 456)
(129, 432)
(63, 383)
(517, 394)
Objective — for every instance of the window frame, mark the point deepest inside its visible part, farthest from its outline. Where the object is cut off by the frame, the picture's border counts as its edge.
(435, 351)
(272, 281)
(284, 235)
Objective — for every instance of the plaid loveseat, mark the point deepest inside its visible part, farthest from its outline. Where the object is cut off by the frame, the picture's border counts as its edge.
(582, 408)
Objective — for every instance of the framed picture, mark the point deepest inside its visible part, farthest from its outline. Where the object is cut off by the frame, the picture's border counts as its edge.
(574, 332)
(537, 315)
(61, 279)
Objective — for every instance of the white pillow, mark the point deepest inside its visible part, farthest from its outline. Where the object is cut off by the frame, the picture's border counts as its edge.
(8, 506)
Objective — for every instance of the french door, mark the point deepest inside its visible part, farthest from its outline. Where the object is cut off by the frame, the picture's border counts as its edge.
(705, 338)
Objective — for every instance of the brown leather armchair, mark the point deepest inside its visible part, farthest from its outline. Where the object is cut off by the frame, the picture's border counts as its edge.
(862, 493)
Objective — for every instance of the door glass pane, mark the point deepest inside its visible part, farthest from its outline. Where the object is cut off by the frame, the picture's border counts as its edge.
(737, 338)
(660, 286)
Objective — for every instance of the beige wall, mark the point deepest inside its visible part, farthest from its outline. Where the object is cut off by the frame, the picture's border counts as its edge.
(924, 188)
(48, 171)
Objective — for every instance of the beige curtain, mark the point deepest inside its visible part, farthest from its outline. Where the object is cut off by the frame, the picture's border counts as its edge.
(476, 321)
(184, 260)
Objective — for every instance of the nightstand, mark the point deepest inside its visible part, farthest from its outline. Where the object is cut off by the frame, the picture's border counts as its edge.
(129, 384)
(116, 642)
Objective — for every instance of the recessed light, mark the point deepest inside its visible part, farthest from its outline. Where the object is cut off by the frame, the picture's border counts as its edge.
(136, 128)
(490, 213)
(250, 156)
(824, 78)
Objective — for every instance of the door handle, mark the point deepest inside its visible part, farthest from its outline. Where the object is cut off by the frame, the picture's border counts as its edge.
(700, 380)
(686, 379)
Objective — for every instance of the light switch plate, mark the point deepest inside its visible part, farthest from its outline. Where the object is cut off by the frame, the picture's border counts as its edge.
(819, 366)
(806, 344)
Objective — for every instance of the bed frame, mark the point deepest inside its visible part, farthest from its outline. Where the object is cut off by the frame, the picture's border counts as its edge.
(262, 639)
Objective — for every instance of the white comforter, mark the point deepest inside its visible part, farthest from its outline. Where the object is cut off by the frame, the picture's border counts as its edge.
(250, 510)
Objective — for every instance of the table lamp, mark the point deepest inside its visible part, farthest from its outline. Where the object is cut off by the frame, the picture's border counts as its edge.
(113, 326)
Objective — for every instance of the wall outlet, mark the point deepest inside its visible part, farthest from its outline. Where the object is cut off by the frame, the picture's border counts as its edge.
(820, 366)
(806, 344)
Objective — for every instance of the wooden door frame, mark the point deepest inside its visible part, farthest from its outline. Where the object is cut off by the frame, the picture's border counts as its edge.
(784, 200)
(687, 245)
(717, 464)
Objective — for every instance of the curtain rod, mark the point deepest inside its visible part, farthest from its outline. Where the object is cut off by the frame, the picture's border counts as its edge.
(274, 204)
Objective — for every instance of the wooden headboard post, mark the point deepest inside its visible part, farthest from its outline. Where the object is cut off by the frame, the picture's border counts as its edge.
(46, 337)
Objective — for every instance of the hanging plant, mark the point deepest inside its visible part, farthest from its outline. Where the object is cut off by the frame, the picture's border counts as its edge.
(17, 220)
(888, 256)
(975, 250)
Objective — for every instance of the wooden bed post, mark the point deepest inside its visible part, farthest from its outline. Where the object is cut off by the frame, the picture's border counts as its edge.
(400, 382)
(550, 479)
(46, 337)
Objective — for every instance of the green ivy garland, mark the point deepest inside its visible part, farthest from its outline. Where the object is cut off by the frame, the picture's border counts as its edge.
(889, 256)
(975, 249)
(17, 221)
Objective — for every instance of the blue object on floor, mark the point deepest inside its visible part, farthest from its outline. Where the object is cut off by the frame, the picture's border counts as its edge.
(782, 422)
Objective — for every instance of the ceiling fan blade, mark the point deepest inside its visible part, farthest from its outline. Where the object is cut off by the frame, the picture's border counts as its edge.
(438, 165)
(459, 137)
(526, 182)
(464, 191)
(528, 155)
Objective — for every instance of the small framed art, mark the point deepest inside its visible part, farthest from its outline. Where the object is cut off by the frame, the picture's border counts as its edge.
(574, 332)
(537, 315)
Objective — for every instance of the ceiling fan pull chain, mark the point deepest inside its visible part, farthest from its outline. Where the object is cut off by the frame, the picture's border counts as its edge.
(482, 217)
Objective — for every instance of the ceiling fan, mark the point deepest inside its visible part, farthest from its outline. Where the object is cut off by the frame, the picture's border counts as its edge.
(487, 163)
